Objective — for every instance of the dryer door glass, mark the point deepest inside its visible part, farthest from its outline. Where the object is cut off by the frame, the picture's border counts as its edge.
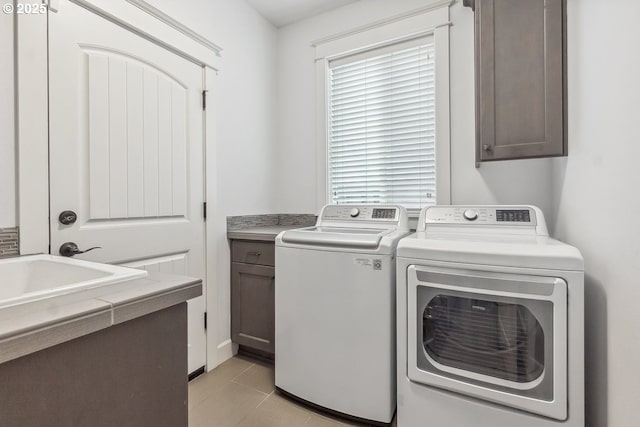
(474, 329)
(498, 339)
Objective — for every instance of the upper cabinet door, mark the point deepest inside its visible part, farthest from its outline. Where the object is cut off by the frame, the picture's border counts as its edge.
(520, 109)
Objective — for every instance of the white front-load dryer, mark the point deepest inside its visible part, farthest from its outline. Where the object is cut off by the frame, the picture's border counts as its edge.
(335, 311)
(490, 321)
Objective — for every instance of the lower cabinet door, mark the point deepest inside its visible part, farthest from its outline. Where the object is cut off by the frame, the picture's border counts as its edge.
(253, 306)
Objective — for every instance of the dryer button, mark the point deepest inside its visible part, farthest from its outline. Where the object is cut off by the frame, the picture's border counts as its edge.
(471, 214)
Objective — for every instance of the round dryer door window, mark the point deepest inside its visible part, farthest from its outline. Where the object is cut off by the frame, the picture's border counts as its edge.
(499, 339)
(489, 340)
(491, 335)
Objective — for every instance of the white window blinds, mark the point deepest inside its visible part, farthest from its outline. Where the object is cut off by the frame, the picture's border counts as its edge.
(382, 126)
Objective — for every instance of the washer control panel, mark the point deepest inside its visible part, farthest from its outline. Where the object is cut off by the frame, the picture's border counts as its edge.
(360, 213)
(480, 215)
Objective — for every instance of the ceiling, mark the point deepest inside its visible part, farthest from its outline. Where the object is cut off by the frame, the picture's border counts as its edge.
(285, 12)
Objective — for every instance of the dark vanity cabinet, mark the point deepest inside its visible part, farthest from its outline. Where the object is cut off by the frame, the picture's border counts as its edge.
(253, 294)
(520, 79)
(129, 374)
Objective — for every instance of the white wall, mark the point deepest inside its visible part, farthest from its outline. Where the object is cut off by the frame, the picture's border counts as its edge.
(7, 140)
(245, 120)
(522, 181)
(597, 198)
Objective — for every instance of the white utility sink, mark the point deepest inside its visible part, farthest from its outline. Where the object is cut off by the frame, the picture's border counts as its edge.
(36, 277)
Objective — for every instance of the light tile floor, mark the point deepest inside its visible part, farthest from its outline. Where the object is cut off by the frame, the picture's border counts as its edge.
(241, 392)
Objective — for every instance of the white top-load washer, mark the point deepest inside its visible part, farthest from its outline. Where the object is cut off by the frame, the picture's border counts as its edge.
(490, 321)
(335, 310)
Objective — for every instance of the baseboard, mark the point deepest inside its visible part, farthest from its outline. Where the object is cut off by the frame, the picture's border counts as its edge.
(256, 354)
(226, 350)
(195, 374)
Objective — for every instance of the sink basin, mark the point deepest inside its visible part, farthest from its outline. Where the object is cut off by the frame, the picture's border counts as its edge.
(36, 277)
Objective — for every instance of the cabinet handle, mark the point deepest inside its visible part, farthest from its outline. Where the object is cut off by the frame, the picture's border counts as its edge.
(254, 253)
(486, 147)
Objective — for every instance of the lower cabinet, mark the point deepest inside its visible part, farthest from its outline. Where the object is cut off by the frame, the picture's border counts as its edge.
(253, 296)
(130, 374)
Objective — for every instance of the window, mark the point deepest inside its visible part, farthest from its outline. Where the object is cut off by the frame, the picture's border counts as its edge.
(381, 126)
(383, 100)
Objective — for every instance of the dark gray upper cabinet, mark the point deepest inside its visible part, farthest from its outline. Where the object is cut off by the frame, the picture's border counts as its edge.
(520, 79)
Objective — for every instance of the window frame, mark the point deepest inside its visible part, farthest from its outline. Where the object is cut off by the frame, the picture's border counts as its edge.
(434, 22)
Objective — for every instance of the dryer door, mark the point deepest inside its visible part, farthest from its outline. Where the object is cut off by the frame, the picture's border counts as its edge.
(495, 336)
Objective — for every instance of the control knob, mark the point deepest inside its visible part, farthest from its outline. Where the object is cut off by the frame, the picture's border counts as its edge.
(471, 214)
(354, 212)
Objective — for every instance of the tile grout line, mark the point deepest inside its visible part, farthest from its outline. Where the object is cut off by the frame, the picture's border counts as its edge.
(206, 395)
(248, 386)
(308, 419)
(266, 397)
(233, 380)
(242, 372)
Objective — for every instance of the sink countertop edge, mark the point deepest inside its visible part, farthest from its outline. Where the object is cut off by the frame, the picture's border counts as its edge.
(36, 331)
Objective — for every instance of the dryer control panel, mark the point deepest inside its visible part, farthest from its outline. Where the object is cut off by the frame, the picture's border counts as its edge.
(481, 215)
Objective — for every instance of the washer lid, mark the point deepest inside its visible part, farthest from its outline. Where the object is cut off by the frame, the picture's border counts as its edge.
(538, 252)
(343, 237)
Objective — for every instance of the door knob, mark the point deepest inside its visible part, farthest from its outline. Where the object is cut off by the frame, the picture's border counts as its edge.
(70, 249)
(67, 217)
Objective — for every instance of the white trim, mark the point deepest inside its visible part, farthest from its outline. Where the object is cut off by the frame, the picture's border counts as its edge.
(389, 20)
(443, 116)
(54, 5)
(226, 350)
(211, 185)
(385, 43)
(380, 35)
(431, 20)
(32, 132)
(160, 15)
(322, 71)
(119, 15)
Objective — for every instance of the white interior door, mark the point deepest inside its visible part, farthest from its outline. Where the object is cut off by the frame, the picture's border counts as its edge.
(127, 152)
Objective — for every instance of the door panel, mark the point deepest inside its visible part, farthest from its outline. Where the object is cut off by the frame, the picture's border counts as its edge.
(253, 306)
(171, 264)
(124, 142)
(126, 151)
